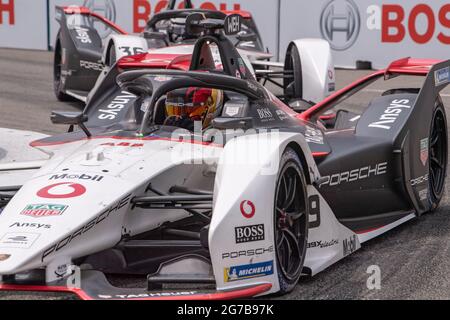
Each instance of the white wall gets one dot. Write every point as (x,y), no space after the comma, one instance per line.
(23,24)
(298,19)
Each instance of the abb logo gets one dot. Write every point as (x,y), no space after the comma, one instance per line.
(123,144)
(142,10)
(396,23)
(7,9)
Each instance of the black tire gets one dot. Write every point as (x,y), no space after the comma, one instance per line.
(437,156)
(291,214)
(293,83)
(57,69)
(112,56)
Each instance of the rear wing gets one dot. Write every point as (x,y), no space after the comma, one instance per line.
(410,66)
(76,12)
(437,79)
(405,66)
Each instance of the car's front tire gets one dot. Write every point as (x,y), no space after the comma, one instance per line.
(291,214)
(293,81)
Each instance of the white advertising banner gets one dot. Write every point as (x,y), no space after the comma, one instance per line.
(369,30)
(23,24)
(132,15)
(366,30)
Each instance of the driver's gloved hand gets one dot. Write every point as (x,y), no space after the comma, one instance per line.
(187,123)
(172,121)
(183,122)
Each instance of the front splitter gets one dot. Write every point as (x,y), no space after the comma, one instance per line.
(95,286)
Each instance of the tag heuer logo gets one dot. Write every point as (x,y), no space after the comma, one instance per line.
(43,210)
(4,257)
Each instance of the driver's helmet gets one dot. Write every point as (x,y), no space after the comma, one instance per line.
(193,104)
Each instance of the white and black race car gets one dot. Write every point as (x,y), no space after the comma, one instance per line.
(239,200)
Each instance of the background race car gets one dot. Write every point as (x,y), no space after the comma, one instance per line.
(83,58)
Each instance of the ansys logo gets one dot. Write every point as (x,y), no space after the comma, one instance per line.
(340,23)
(106,8)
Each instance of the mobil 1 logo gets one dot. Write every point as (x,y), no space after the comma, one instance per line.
(249,233)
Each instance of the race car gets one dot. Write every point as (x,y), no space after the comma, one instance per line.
(88,47)
(212,188)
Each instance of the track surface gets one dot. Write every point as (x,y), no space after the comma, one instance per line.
(414,259)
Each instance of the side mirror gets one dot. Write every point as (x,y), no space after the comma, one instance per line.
(70,118)
(232,123)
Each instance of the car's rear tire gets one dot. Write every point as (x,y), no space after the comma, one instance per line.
(437,156)
(57,72)
(291,214)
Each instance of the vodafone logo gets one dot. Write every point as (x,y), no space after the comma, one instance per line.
(330,74)
(248,209)
(64,190)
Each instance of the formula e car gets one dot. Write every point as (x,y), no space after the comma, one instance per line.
(88,47)
(235,201)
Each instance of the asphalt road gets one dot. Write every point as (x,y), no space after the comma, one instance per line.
(414,259)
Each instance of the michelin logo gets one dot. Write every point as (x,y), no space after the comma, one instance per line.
(442,76)
(248,271)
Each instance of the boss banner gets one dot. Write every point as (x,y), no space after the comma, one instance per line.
(368,30)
